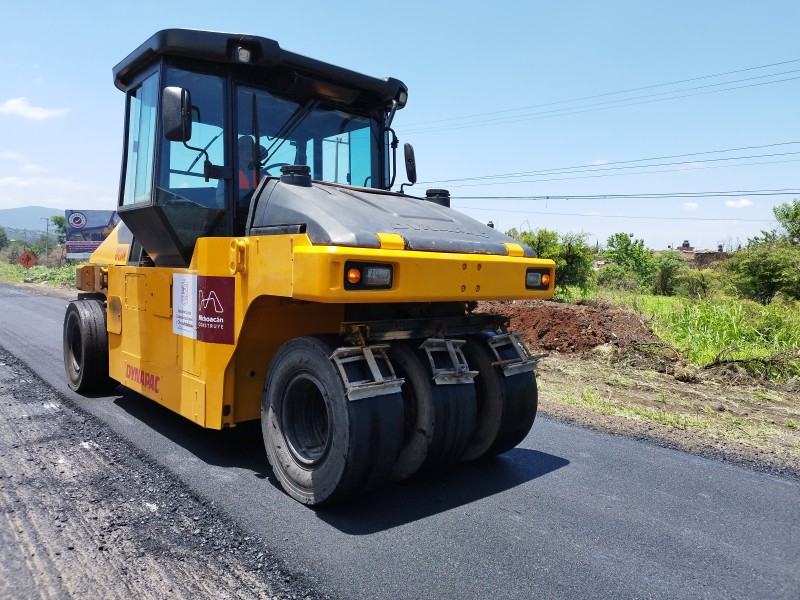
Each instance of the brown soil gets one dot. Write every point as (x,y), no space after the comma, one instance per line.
(570,328)
(608,371)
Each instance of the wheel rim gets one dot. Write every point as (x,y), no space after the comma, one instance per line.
(305,420)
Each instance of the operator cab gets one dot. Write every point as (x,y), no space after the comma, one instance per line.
(208,115)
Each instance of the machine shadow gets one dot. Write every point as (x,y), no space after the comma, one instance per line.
(240,447)
(389,506)
(396,504)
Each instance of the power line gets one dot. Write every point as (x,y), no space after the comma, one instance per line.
(557,110)
(560,214)
(725,194)
(684,170)
(543,115)
(607,164)
(637,89)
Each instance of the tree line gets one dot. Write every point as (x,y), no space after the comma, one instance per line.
(766,267)
(48,249)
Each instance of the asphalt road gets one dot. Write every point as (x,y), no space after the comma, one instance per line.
(570,513)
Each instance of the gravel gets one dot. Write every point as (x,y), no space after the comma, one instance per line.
(82,514)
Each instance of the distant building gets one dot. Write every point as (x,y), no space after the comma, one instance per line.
(701,258)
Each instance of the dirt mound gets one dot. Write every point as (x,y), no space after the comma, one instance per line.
(570,328)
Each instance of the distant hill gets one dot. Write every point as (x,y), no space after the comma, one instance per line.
(27,217)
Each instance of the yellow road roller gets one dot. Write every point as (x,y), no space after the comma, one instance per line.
(263,268)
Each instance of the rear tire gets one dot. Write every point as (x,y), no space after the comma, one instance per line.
(86,347)
(506,405)
(322,446)
(439,419)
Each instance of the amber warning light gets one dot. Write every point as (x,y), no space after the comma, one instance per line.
(537,279)
(367,276)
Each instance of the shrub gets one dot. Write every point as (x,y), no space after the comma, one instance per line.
(761,271)
(666,269)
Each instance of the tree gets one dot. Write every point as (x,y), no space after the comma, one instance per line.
(3,238)
(578,261)
(666,268)
(570,251)
(761,271)
(788,215)
(542,241)
(60,223)
(631,255)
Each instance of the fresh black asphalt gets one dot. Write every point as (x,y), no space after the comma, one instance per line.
(569,513)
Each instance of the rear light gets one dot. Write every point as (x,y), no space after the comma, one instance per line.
(378,276)
(367,276)
(537,279)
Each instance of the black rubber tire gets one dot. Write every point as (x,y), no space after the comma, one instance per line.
(323,447)
(439,419)
(506,405)
(86,347)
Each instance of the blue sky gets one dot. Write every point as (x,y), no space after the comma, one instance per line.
(492,91)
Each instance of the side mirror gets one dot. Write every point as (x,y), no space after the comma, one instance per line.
(411,164)
(176,114)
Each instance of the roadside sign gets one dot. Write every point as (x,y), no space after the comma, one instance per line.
(27,260)
(86,230)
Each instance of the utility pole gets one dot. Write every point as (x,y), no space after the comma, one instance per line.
(47,236)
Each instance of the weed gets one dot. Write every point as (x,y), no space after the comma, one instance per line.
(763,340)
(620,380)
(58,277)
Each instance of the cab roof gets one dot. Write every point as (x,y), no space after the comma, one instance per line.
(223,48)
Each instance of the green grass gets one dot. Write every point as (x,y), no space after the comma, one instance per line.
(756,432)
(57,277)
(764,340)
(591,398)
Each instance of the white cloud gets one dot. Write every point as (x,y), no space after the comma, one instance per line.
(690,206)
(45,183)
(31,168)
(740,203)
(600,162)
(9,155)
(21,107)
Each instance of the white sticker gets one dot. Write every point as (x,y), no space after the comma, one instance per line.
(184,305)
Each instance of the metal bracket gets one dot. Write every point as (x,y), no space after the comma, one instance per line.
(523,362)
(375,385)
(452,367)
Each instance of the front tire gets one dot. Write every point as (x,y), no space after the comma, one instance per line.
(86,347)
(322,446)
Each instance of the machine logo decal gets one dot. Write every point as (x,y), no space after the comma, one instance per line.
(204,308)
(143,378)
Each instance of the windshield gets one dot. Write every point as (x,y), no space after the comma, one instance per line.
(337,145)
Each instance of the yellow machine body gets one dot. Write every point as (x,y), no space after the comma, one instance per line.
(280,287)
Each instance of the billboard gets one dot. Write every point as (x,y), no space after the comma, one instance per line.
(86,230)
